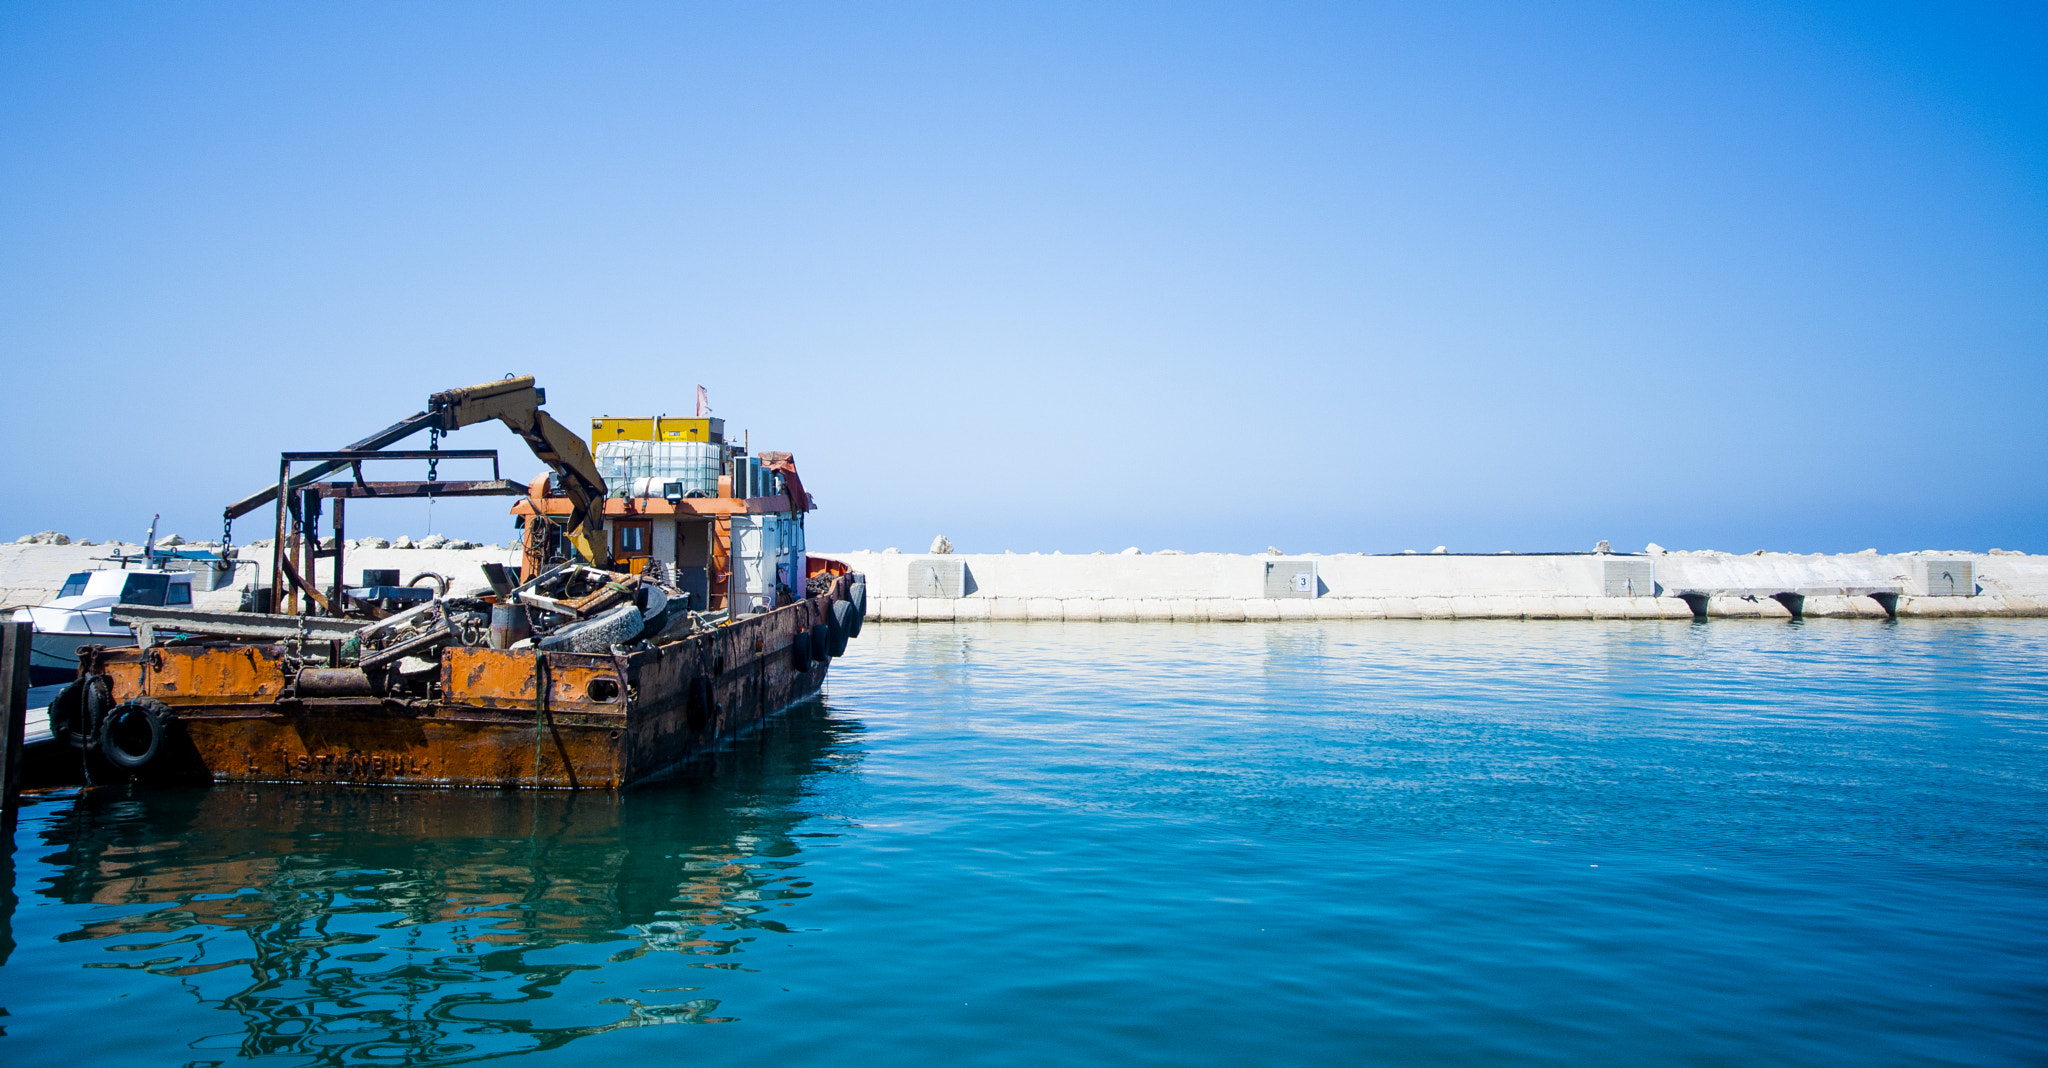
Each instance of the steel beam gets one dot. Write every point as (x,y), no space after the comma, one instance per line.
(398,431)
(499,488)
(234,624)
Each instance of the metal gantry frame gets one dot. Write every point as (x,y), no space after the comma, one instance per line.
(295,548)
(514,400)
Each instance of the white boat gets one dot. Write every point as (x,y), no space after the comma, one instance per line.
(81,615)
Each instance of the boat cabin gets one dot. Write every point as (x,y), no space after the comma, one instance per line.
(82,614)
(725,526)
(103,589)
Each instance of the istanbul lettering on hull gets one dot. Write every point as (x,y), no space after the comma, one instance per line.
(352,764)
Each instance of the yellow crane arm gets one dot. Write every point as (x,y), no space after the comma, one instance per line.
(516,403)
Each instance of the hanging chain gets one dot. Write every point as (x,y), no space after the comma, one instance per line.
(433,472)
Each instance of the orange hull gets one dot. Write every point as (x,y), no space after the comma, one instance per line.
(504,719)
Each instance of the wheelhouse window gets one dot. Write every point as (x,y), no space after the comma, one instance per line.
(74,584)
(629,539)
(146,589)
(178,593)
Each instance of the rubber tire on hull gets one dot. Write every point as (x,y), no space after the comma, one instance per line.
(68,719)
(800,650)
(117,734)
(841,617)
(821,641)
(857,595)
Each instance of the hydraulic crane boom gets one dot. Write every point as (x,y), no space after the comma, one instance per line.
(516,403)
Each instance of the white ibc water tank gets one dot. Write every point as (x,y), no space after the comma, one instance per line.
(630,468)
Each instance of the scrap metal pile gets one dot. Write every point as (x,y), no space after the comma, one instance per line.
(573,608)
(393,648)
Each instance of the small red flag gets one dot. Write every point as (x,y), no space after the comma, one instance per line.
(703,403)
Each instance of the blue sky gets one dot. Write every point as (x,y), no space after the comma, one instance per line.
(1345,277)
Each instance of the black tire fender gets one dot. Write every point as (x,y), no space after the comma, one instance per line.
(857,595)
(68,719)
(133,733)
(99,700)
(821,642)
(800,650)
(842,626)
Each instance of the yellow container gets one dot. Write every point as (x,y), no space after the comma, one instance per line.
(606,428)
(680,428)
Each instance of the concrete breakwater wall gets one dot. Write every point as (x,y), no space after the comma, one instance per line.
(1668,585)
(1220,587)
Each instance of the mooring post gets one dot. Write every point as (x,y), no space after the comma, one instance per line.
(15,641)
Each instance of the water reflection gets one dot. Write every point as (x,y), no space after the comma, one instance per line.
(413,926)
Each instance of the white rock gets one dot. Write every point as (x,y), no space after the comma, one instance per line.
(1169,552)
(432,541)
(1866,552)
(1603,547)
(1994,552)
(891,549)
(366,543)
(941,546)
(1408,552)
(1438,551)
(1132,551)
(1654,549)
(404,542)
(25,539)
(1271,551)
(459,543)
(327,542)
(1009,552)
(170,539)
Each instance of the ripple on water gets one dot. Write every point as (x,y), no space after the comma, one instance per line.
(1403,842)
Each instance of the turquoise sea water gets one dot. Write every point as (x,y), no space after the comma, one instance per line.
(1371,843)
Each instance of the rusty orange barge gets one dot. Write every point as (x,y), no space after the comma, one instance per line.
(651,619)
